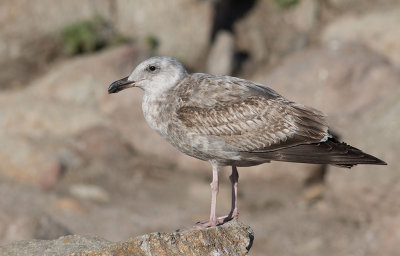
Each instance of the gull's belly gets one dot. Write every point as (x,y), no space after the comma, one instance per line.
(160,116)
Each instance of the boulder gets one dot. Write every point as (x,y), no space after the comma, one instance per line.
(15,227)
(56,108)
(220,59)
(268,33)
(232,238)
(340,81)
(180,29)
(30,29)
(368,29)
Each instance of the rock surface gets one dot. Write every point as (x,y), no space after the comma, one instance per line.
(18,226)
(368,29)
(44,143)
(32,40)
(220,59)
(190,23)
(258,31)
(232,238)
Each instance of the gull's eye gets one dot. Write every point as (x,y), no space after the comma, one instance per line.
(152,68)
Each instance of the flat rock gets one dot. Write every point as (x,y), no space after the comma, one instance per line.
(232,238)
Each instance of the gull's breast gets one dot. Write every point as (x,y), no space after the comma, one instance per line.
(160,114)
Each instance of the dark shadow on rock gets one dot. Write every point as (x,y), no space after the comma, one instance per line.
(227,12)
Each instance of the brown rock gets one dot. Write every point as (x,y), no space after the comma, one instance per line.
(70,205)
(185,34)
(18,226)
(375,130)
(232,238)
(221,56)
(267,33)
(368,30)
(340,81)
(56,107)
(29,30)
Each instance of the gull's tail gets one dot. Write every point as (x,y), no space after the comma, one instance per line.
(328,152)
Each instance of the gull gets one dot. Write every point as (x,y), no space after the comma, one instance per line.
(229,121)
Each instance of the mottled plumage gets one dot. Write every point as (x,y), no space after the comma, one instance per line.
(242,117)
(231,121)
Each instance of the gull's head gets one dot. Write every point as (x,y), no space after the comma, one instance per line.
(156,74)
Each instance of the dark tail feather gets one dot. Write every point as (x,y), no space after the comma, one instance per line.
(329,152)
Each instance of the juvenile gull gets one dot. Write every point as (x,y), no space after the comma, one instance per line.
(231,121)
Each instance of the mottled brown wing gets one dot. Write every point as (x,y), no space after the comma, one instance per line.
(256,123)
(209,91)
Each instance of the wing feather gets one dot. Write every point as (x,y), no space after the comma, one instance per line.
(256,123)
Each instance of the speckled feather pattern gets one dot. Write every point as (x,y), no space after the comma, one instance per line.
(232,121)
(250,120)
(222,116)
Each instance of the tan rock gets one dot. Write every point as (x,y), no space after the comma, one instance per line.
(232,238)
(29,29)
(377,30)
(15,227)
(340,81)
(221,56)
(181,28)
(38,123)
(268,33)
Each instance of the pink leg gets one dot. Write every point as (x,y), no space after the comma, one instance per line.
(214,192)
(234,178)
(213,221)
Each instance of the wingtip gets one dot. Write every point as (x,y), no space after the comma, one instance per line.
(380,162)
(376,160)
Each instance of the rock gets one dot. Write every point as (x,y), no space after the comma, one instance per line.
(30,39)
(104,143)
(146,21)
(48,141)
(340,81)
(70,205)
(375,130)
(232,238)
(68,245)
(89,192)
(14,227)
(267,33)
(33,160)
(221,57)
(367,29)
(305,15)
(84,80)
(360,6)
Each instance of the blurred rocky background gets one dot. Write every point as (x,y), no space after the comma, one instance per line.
(74,160)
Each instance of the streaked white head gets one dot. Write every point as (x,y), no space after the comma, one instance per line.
(154,75)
